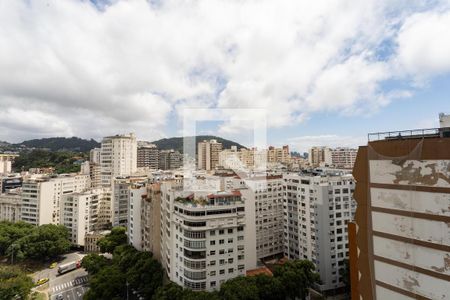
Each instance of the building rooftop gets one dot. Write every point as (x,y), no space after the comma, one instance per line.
(410,134)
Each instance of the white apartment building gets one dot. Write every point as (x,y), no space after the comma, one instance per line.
(206,238)
(136,193)
(41,196)
(316,212)
(343,158)
(122,190)
(10,205)
(267,192)
(95,155)
(319,156)
(118,157)
(208,154)
(85,212)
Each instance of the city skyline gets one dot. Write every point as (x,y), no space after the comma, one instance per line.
(92,69)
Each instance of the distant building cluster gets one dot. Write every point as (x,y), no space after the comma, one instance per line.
(249,206)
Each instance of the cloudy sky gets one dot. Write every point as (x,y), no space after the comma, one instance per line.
(325,72)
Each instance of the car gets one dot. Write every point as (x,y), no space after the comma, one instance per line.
(53,265)
(41,281)
(59,297)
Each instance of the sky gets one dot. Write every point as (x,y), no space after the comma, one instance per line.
(317,72)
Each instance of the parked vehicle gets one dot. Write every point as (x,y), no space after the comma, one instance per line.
(69,267)
(41,281)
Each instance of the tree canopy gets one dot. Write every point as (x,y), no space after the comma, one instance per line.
(20,240)
(14,283)
(62,161)
(117,237)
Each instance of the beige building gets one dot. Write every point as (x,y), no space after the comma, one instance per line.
(10,206)
(91,239)
(208,155)
(320,156)
(343,158)
(254,159)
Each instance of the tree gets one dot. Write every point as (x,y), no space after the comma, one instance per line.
(297,276)
(116,238)
(239,288)
(109,283)
(14,283)
(172,291)
(93,263)
(45,241)
(11,232)
(269,287)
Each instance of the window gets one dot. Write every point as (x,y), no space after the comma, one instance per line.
(230,240)
(241,267)
(240,238)
(213,283)
(230,271)
(212,263)
(212,243)
(212,232)
(221,242)
(221,231)
(230,230)
(212,273)
(222,272)
(222,261)
(230,260)
(212,252)
(240,257)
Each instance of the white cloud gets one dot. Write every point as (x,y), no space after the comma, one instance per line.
(131,65)
(424,44)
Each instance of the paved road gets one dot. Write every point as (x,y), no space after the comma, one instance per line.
(71,285)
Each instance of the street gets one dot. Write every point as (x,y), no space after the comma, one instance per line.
(71,285)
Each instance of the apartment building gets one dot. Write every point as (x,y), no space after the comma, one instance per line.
(208,154)
(320,157)
(137,192)
(95,173)
(124,191)
(147,156)
(118,157)
(343,158)
(267,193)
(41,196)
(10,206)
(170,160)
(254,159)
(206,238)
(85,212)
(278,155)
(95,155)
(151,220)
(9,182)
(6,160)
(400,241)
(316,212)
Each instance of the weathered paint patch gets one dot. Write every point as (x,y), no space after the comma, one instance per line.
(421,229)
(434,173)
(423,202)
(411,281)
(414,255)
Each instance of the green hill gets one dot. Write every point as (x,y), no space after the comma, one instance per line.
(176,143)
(61,143)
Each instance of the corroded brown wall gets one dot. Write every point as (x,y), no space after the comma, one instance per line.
(416,167)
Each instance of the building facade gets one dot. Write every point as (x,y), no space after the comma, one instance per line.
(319,156)
(6,161)
(41,196)
(208,154)
(118,157)
(343,158)
(400,241)
(151,220)
(147,156)
(317,211)
(206,239)
(10,206)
